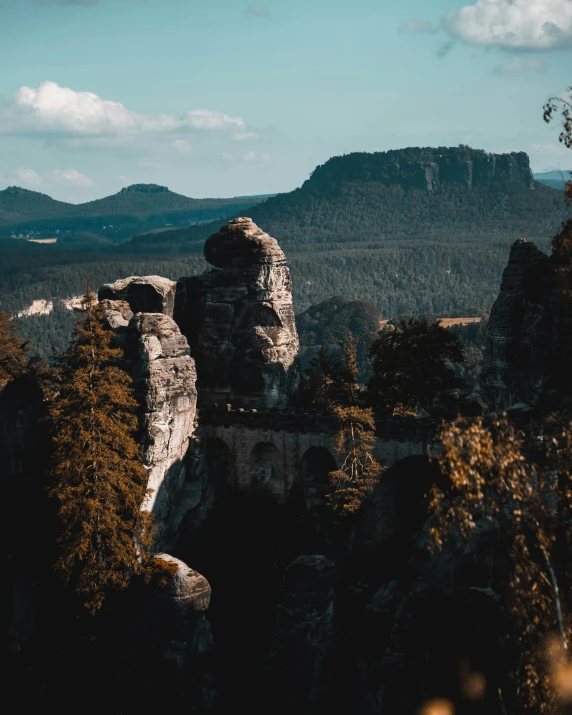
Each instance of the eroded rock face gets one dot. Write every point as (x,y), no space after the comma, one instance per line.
(239,319)
(164,379)
(144,294)
(158,359)
(528,351)
(169,644)
(428,169)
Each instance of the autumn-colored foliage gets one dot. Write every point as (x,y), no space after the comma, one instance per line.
(99,479)
(523,487)
(12,350)
(355,438)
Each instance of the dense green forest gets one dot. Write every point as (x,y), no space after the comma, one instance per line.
(362,227)
(411,277)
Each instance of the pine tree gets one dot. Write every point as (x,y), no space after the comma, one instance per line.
(412,365)
(12,350)
(98,476)
(318,382)
(355,437)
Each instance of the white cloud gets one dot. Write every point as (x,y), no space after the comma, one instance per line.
(248,136)
(207,119)
(60,111)
(72,177)
(520,64)
(513,24)
(258,10)
(251,157)
(28,177)
(417,26)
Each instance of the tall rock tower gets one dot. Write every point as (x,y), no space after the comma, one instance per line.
(239,320)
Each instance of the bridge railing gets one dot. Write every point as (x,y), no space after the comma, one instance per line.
(304,420)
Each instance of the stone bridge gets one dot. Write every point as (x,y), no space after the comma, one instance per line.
(281,450)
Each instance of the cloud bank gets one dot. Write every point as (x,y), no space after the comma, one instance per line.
(513,24)
(53,110)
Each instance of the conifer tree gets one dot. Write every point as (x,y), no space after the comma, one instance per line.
(317,384)
(412,365)
(355,438)
(98,476)
(12,350)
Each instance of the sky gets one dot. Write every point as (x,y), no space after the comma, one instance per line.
(217,98)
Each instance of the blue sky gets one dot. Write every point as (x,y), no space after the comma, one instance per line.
(223,97)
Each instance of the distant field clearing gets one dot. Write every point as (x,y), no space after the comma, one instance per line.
(445,322)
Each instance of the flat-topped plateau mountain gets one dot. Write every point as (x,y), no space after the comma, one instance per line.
(444,194)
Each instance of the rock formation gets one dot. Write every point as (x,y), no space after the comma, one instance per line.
(429,168)
(239,319)
(158,359)
(528,351)
(169,644)
(144,294)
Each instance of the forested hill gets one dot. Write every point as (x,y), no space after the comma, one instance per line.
(444,194)
(18,205)
(140,207)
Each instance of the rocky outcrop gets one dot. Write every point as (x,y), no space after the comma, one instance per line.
(239,319)
(164,379)
(303,641)
(530,326)
(428,168)
(169,645)
(158,359)
(144,294)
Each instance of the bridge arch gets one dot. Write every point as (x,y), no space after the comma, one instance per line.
(267,469)
(315,467)
(221,465)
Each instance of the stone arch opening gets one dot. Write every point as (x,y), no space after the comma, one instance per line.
(315,468)
(267,470)
(221,467)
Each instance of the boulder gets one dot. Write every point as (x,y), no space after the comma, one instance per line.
(239,320)
(169,649)
(144,294)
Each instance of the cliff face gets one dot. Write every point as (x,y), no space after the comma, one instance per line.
(164,376)
(529,344)
(428,168)
(239,319)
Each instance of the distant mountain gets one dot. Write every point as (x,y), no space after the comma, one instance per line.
(444,194)
(18,205)
(136,208)
(554,179)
